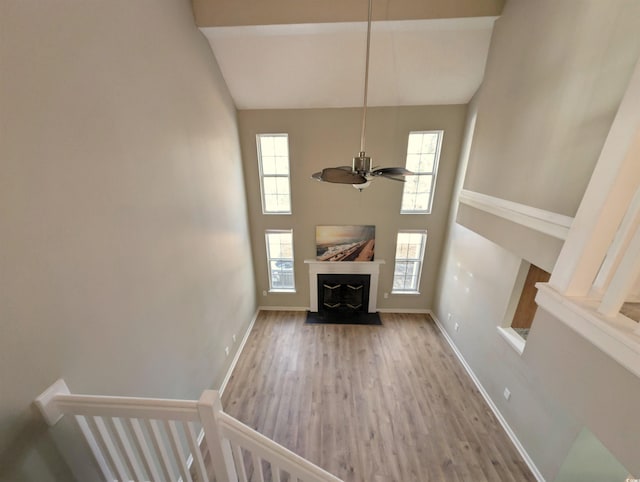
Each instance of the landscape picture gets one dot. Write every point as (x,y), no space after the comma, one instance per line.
(345,243)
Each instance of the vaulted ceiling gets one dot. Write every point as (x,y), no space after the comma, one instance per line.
(306,54)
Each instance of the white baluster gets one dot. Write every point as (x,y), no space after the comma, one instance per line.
(143,448)
(198,462)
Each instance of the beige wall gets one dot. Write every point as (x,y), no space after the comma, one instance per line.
(561,383)
(555,75)
(331,137)
(125,263)
(215,13)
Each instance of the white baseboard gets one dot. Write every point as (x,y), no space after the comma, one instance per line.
(510,433)
(283,308)
(380,310)
(418,311)
(236,357)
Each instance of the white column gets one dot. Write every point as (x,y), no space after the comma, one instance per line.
(609,193)
(623,280)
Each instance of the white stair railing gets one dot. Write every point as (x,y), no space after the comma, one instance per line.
(159,440)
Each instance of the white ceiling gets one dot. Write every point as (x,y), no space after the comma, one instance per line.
(413,62)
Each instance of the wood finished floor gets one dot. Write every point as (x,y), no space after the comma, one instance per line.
(370,403)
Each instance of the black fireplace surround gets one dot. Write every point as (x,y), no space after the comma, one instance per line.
(343,293)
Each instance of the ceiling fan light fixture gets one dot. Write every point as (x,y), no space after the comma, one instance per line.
(362,186)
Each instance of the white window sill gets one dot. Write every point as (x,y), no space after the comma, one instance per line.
(405,292)
(514,340)
(282,290)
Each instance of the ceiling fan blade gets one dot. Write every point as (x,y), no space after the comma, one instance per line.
(341,176)
(318,175)
(399,179)
(392,171)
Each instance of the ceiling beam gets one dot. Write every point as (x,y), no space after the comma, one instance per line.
(219,13)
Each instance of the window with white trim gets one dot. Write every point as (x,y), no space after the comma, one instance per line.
(280,259)
(273,161)
(423,152)
(410,246)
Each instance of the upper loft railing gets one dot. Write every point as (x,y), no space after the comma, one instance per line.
(598,269)
(158,440)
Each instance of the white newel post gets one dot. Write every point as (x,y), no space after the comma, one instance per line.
(316,267)
(52,413)
(220,449)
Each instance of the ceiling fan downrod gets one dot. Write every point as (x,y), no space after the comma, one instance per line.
(361,173)
(366,83)
(362,164)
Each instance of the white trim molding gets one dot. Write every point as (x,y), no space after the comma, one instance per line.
(616,336)
(514,340)
(417,311)
(494,408)
(547,222)
(236,357)
(282,308)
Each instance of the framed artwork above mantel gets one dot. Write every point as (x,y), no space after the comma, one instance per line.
(345,243)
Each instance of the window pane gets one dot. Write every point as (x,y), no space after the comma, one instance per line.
(426,162)
(282,203)
(430,142)
(280,259)
(282,166)
(270,185)
(422,160)
(281,146)
(268,165)
(273,156)
(408,263)
(267,146)
(413,162)
(417,192)
(401,250)
(409,202)
(280,245)
(271,203)
(276,194)
(282,185)
(424,183)
(414,145)
(405,277)
(281,274)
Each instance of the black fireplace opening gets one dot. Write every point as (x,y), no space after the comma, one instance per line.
(343,293)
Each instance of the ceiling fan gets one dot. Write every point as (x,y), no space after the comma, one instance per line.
(360,174)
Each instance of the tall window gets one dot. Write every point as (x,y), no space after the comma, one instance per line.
(280,259)
(423,152)
(410,247)
(273,159)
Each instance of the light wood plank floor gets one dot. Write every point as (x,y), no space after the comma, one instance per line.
(370,403)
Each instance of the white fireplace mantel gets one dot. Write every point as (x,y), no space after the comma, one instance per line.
(316,267)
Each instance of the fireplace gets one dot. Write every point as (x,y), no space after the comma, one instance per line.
(370,269)
(343,293)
